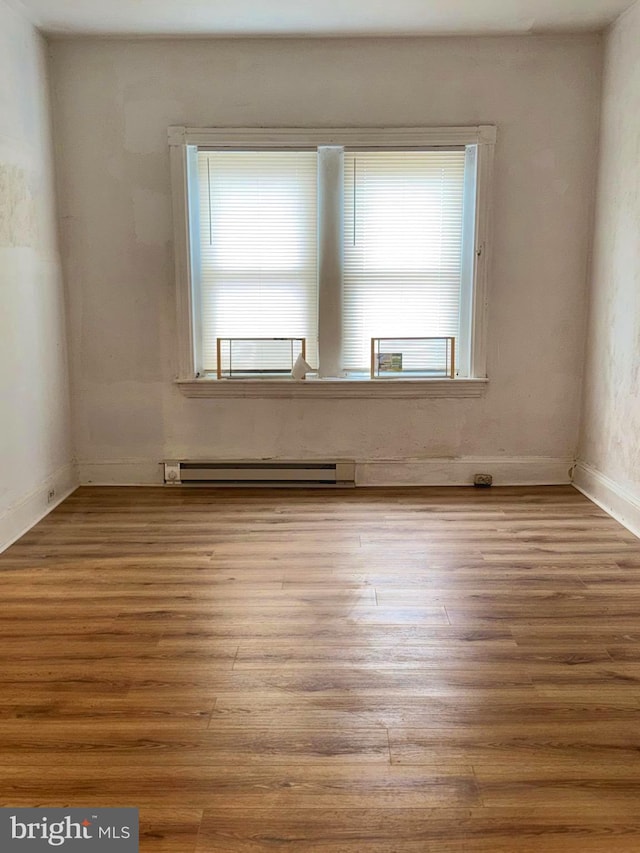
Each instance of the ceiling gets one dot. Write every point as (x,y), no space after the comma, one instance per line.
(319,18)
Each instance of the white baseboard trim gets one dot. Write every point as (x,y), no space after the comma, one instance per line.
(121,472)
(506,471)
(610,496)
(32,508)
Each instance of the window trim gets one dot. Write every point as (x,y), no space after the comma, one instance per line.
(333,388)
(184,141)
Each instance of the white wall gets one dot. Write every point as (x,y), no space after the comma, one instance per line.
(35,440)
(114,102)
(610,443)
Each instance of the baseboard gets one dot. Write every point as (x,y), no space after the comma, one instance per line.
(121,472)
(506,471)
(610,496)
(29,510)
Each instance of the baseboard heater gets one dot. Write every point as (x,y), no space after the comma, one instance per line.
(260,473)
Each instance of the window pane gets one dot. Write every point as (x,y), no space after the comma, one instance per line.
(257,247)
(403,247)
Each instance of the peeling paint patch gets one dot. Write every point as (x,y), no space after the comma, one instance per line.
(18,220)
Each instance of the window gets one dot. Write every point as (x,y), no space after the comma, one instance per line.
(403,214)
(336,236)
(257,242)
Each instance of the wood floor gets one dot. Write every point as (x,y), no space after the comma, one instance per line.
(364,671)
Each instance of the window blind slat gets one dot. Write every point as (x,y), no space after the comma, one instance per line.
(403,243)
(258,240)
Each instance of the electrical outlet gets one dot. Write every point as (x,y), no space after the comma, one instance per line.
(51,495)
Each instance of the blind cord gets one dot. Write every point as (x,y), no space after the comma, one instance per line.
(354,200)
(209,188)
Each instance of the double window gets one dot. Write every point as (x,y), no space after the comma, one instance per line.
(335,236)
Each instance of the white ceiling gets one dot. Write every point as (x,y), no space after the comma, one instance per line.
(319,18)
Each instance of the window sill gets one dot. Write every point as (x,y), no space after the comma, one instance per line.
(378,389)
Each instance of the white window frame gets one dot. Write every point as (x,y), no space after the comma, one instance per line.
(183,145)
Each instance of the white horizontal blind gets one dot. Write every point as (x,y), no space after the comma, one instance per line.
(403,247)
(258,235)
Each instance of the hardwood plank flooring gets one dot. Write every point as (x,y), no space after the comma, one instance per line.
(315,671)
